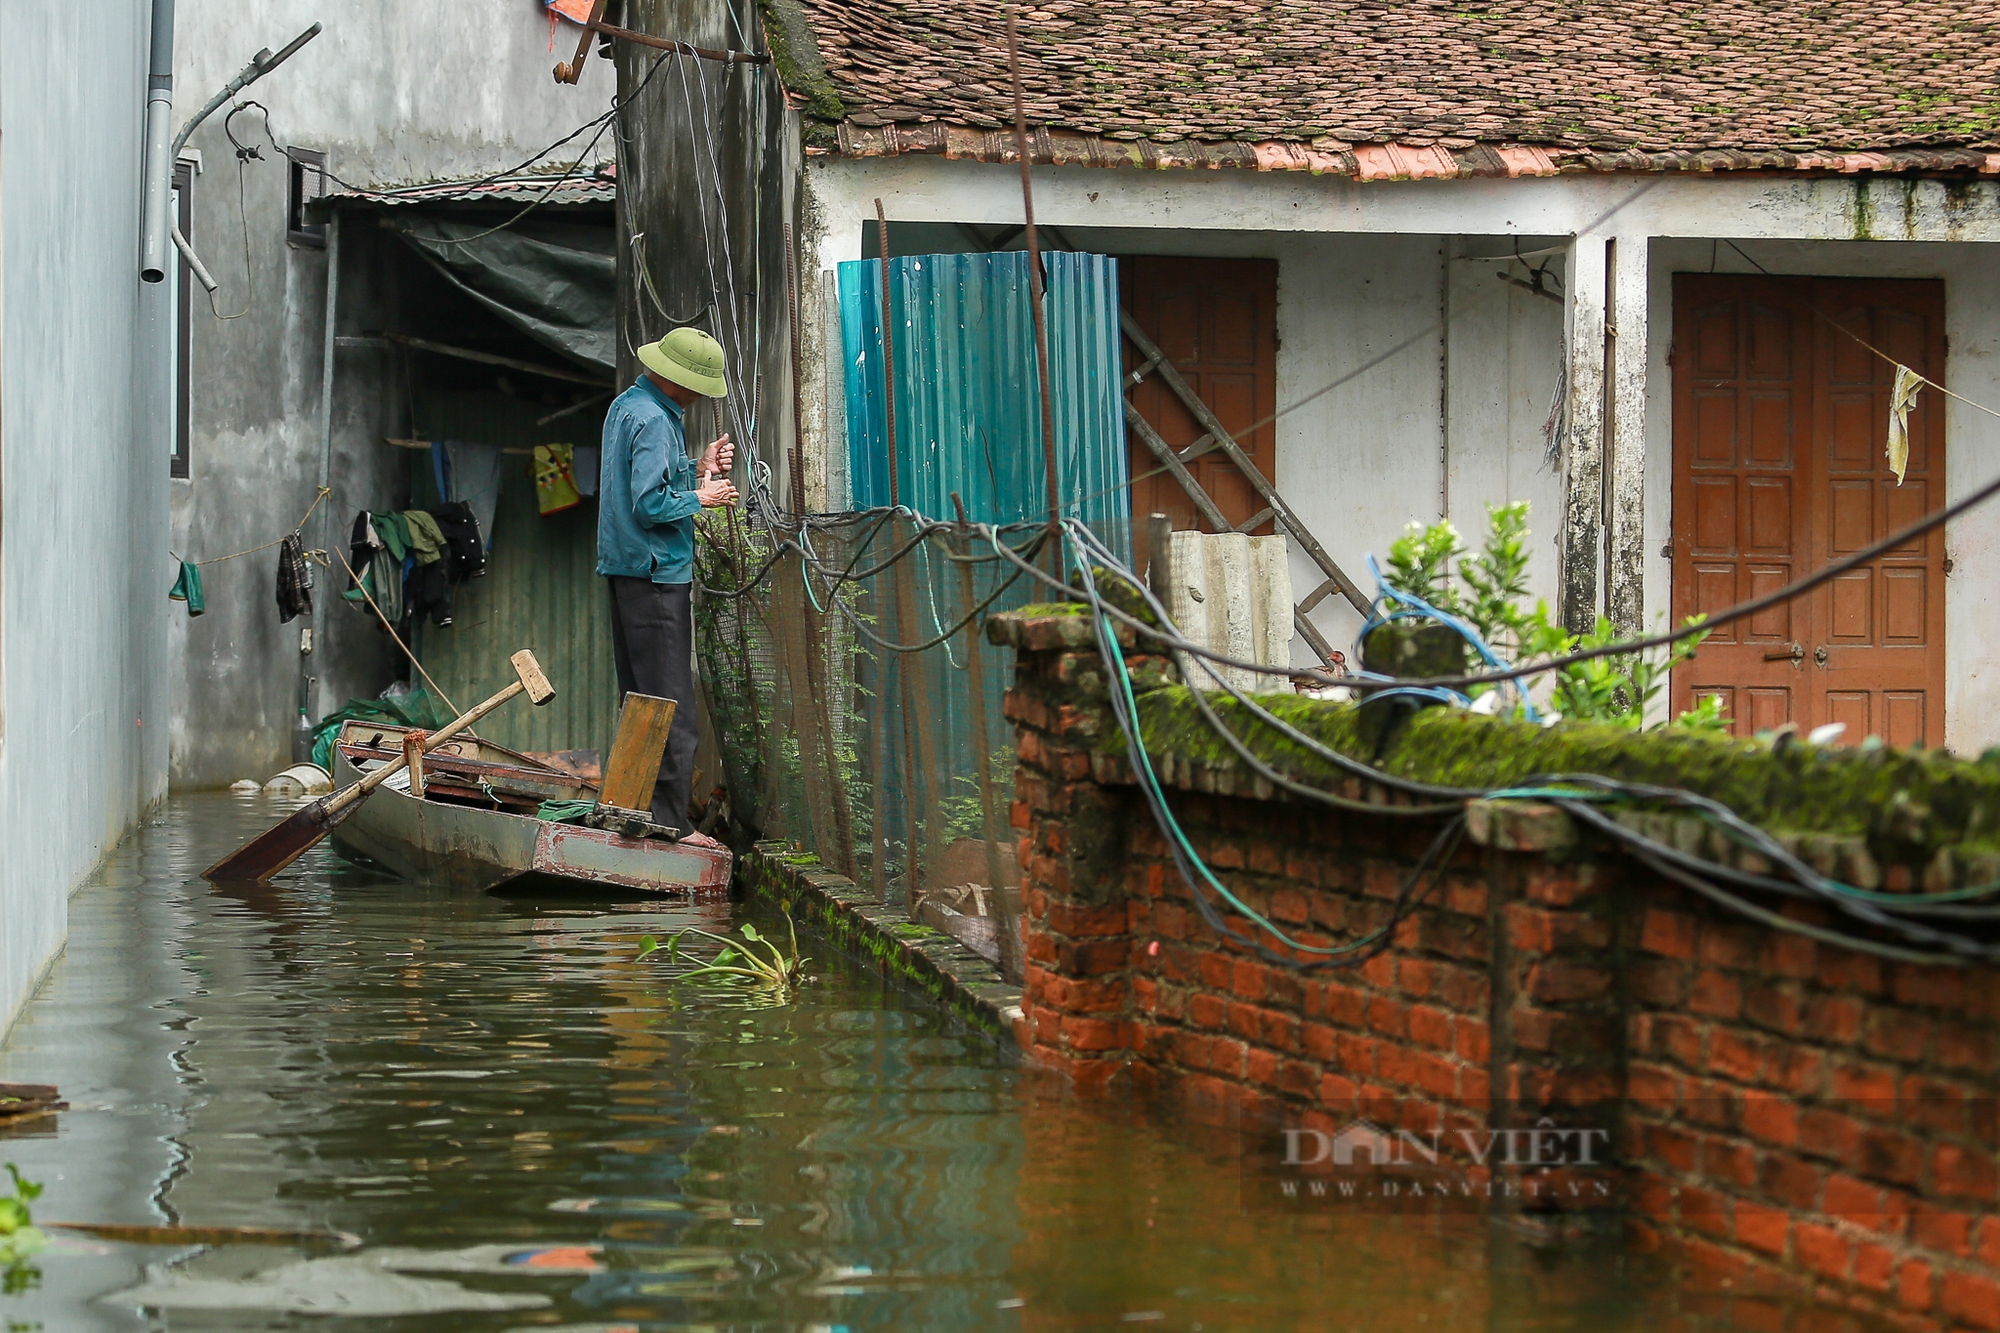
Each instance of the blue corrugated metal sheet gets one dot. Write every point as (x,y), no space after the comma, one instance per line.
(968,419)
(968,414)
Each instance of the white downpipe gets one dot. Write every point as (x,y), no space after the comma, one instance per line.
(159,166)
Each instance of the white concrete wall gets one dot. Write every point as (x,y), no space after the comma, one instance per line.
(1362,295)
(83,568)
(392,93)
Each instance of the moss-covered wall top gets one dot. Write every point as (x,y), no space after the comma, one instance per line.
(1917,800)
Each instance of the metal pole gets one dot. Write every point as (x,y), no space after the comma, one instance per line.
(888,354)
(798,459)
(906,616)
(1160,558)
(1035,290)
(326,528)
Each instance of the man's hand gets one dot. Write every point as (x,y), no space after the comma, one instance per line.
(719,457)
(715,492)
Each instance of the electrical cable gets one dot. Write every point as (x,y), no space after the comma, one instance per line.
(1869,908)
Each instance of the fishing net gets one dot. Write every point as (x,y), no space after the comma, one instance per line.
(857,705)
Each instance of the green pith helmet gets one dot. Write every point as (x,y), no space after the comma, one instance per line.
(688,357)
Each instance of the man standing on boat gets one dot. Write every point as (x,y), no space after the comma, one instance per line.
(649,491)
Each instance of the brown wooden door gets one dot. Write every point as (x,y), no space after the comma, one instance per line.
(1780,421)
(1216,320)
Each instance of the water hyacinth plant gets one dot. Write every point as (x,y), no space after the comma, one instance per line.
(753,958)
(20,1239)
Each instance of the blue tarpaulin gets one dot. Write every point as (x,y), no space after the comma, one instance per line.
(968,413)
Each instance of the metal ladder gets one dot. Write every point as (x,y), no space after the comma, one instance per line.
(1154,361)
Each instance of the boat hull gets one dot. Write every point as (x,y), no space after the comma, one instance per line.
(464,847)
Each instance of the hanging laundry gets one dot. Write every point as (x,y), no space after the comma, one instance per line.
(465,554)
(473,475)
(426,541)
(429,593)
(382,580)
(585,463)
(362,546)
(187,588)
(294,580)
(1902,397)
(555,479)
(393,532)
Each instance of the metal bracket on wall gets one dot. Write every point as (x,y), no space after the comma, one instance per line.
(569,71)
(1154,361)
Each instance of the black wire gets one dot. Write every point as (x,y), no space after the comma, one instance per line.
(1693,872)
(596,122)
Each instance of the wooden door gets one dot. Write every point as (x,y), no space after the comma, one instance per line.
(1216,321)
(1780,421)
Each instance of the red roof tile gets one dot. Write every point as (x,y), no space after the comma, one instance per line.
(1392,88)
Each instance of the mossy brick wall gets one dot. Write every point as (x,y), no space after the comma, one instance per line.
(1791,1114)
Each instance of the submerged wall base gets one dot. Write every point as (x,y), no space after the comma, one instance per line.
(918,957)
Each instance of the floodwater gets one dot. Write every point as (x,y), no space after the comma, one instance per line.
(526,1127)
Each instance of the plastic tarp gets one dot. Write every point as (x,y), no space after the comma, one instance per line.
(968,413)
(417,708)
(554,281)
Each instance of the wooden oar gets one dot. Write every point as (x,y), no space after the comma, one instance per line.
(271,851)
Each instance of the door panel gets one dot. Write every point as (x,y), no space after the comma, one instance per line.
(1746,374)
(1780,420)
(1216,320)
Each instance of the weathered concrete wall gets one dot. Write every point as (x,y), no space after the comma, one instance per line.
(83,444)
(392,94)
(1431,423)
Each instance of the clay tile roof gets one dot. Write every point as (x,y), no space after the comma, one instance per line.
(1435,88)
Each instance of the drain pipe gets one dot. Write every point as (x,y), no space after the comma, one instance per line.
(159,158)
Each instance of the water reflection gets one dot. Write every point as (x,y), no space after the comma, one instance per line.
(529,1128)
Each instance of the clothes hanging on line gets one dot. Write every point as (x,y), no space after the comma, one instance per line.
(472,476)
(555,480)
(426,540)
(428,593)
(465,554)
(585,463)
(393,532)
(294,580)
(187,588)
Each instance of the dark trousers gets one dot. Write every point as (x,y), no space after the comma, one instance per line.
(652,636)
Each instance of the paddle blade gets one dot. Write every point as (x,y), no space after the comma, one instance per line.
(274,849)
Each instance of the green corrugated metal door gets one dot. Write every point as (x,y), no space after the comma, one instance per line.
(540,591)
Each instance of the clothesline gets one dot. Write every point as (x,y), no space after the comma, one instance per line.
(296,529)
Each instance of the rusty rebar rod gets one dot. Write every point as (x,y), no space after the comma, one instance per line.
(571,71)
(906,615)
(1035,288)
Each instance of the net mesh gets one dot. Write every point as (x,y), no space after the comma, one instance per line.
(857,707)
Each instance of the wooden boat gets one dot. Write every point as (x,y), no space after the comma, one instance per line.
(476,826)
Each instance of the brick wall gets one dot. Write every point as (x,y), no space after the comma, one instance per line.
(1787,1113)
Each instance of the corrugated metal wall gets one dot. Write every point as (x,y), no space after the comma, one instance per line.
(968,416)
(968,420)
(540,592)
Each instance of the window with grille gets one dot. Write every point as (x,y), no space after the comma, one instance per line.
(308,182)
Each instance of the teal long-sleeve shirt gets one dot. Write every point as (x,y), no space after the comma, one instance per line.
(646,499)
